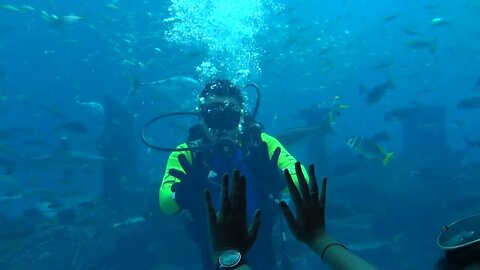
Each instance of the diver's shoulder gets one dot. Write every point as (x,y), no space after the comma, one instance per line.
(267,137)
(179,147)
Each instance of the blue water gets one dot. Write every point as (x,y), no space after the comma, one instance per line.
(308,52)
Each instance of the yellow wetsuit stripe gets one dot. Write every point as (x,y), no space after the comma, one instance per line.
(165,194)
(286,160)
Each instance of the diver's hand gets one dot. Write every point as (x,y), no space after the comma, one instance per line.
(189,191)
(309,225)
(265,168)
(228,229)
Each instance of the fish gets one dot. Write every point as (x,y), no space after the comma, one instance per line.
(371,243)
(46,210)
(63,158)
(19,9)
(72,126)
(390,17)
(65,181)
(11,196)
(293,136)
(131,220)
(323,120)
(11,8)
(400,113)
(71,41)
(55,20)
(409,31)
(458,124)
(368,148)
(4,29)
(13,233)
(377,92)
(55,205)
(382,136)
(345,167)
(431,45)
(27,8)
(94,107)
(87,205)
(35,143)
(3,97)
(470,103)
(134,89)
(430,7)
(344,162)
(7,165)
(439,22)
(66,217)
(471,143)
(32,214)
(24,131)
(317,115)
(52,111)
(7,151)
(177,92)
(382,65)
(6,134)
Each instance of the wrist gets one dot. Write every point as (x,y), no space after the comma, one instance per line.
(217,253)
(320,242)
(216,256)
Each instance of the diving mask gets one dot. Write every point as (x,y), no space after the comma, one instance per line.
(224,115)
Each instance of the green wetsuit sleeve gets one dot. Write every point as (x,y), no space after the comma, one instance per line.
(165,194)
(286,160)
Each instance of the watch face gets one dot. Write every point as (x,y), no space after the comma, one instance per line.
(230,258)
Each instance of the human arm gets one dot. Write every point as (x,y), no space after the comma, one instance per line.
(285,159)
(228,228)
(166,199)
(184,181)
(309,224)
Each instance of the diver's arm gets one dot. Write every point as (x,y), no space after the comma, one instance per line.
(286,160)
(167,202)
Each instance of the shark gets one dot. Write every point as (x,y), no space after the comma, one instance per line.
(177,91)
(64,158)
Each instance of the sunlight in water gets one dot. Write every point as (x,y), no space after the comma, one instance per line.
(226,29)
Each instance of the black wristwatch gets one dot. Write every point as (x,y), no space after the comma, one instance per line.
(230,259)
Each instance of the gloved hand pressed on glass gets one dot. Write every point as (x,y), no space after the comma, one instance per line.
(268,175)
(189,191)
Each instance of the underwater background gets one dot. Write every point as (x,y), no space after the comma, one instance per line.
(79,79)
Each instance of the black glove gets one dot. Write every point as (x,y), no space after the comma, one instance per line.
(268,176)
(188,192)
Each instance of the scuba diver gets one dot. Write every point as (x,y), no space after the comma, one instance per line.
(226,138)
(460,242)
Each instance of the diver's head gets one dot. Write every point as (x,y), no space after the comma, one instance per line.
(222,113)
(460,242)
(221,108)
